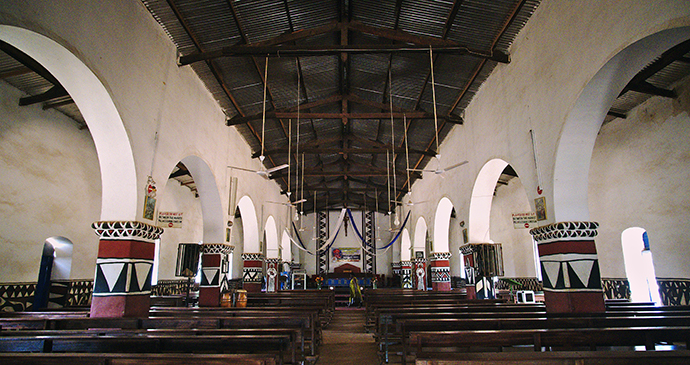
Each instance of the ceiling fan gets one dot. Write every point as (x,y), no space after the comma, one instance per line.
(263,172)
(441,170)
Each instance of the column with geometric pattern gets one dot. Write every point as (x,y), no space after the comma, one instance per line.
(322,263)
(252,273)
(122,285)
(570,267)
(369,235)
(273,266)
(440,271)
(406,274)
(214,263)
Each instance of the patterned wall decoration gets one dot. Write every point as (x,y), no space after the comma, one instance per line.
(171,287)
(674,291)
(17,297)
(369,228)
(615,288)
(527,283)
(322,262)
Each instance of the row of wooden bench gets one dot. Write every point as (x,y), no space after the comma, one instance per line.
(421,330)
(274,332)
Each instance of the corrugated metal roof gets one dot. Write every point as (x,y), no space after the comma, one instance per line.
(360,82)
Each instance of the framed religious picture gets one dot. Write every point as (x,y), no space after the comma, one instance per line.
(149,207)
(540,208)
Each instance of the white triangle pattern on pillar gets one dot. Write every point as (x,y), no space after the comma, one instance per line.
(111,272)
(583,269)
(210,275)
(142,269)
(551,269)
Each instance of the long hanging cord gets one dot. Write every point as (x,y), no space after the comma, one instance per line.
(263,118)
(288,156)
(301,205)
(390,96)
(407,156)
(388,179)
(433,94)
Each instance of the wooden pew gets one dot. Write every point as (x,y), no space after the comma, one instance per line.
(273,340)
(294,326)
(312,334)
(551,338)
(560,358)
(135,359)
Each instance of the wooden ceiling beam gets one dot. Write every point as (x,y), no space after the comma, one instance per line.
(346,150)
(308,50)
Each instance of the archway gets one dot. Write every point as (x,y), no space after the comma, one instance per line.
(118,174)
(442,225)
(252,256)
(406,260)
(420,253)
(480,203)
(574,150)
(211,207)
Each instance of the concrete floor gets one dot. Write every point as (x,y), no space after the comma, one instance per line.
(345,342)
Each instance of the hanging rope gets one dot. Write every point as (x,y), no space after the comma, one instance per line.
(407,155)
(433,94)
(263,118)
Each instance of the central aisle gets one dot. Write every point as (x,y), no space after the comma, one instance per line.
(345,342)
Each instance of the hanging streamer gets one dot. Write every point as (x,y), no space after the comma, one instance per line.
(298,245)
(330,241)
(391,242)
(303,248)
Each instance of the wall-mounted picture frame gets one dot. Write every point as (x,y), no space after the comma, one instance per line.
(540,208)
(149,207)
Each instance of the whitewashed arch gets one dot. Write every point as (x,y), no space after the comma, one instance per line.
(250,225)
(420,235)
(405,246)
(286,246)
(271,235)
(442,225)
(209,197)
(115,157)
(480,203)
(574,150)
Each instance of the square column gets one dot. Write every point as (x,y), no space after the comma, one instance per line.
(419,273)
(570,267)
(273,266)
(252,273)
(440,271)
(122,285)
(214,266)
(406,274)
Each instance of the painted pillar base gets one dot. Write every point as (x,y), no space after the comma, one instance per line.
(419,274)
(122,286)
(252,273)
(570,267)
(406,274)
(272,275)
(214,261)
(440,271)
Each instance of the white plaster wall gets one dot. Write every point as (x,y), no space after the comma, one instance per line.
(178,198)
(518,254)
(561,48)
(166,110)
(640,177)
(49,186)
